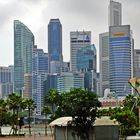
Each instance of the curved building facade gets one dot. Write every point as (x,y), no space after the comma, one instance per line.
(23,47)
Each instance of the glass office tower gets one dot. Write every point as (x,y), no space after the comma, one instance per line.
(86,63)
(54,41)
(120,59)
(23,46)
(78,39)
(39,74)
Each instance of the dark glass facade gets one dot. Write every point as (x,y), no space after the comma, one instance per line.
(54,41)
(86,62)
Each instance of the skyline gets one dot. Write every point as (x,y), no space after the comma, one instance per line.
(89,16)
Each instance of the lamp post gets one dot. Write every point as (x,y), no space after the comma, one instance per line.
(18,127)
(34,121)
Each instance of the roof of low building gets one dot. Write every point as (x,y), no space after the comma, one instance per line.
(63,121)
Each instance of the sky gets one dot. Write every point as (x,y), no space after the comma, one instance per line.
(88,15)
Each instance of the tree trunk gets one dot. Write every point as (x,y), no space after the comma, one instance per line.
(0,131)
(46,126)
(29,121)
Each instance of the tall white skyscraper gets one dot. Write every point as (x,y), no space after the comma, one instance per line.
(104,61)
(114,19)
(78,39)
(115,13)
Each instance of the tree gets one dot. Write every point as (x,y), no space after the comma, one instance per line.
(82,106)
(126,118)
(15,104)
(130,102)
(30,105)
(46,111)
(52,99)
(3,114)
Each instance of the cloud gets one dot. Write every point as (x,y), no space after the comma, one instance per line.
(9,11)
(74,15)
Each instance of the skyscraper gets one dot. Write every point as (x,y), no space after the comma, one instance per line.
(104,62)
(78,40)
(54,41)
(39,74)
(68,80)
(86,63)
(27,89)
(6,81)
(114,19)
(23,46)
(137,63)
(115,13)
(120,59)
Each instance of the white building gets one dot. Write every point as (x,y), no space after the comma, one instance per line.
(107,102)
(115,13)
(104,61)
(114,19)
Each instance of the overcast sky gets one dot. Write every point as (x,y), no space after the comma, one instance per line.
(91,15)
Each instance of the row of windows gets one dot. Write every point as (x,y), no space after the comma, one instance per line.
(79,41)
(119,39)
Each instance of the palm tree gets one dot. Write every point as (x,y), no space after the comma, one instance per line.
(30,105)
(52,98)
(15,104)
(46,110)
(3,113)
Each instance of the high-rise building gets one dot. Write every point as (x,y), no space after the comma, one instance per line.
(114,19)
(40,92)
(68,80)
(78,40)
(27,89)
(39,74)
(115,13)
(86,62)
(66,67)
(54,41)
(23,47)
(64,81)
(137,63)
(6,81)
(120,59)
(55,67)
(50,83)
(104,62)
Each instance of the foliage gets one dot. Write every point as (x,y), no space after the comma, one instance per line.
(52,99)
(10,109)
(126,115)
(30,106)
(81,105)
(46,111)
(4,115)
(15,105)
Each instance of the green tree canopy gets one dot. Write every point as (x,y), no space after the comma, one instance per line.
(81,105)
